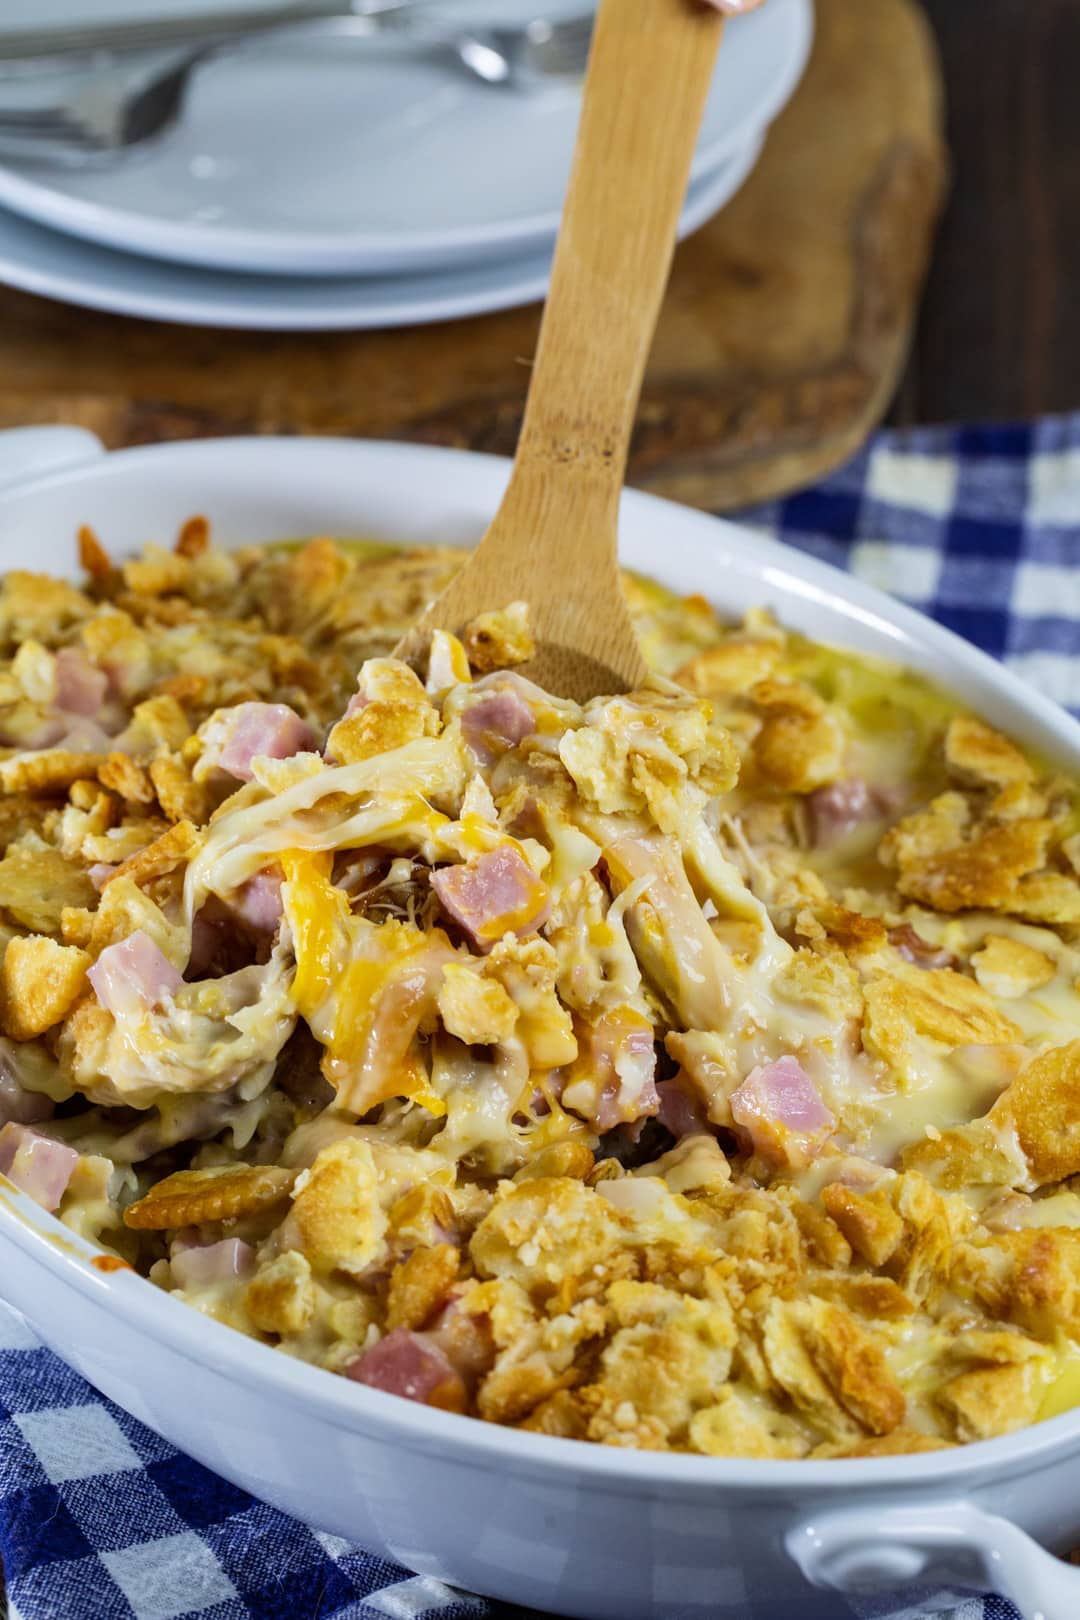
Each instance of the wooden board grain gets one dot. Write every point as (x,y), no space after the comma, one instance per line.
(784,330)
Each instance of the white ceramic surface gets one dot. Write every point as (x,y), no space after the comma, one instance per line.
(321,154)
(55,266)
(587,1531)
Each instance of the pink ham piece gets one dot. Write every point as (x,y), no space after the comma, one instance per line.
(200,1266)
(779,1108)
(497,894)
(836,810)
(38,1166)
(258,904)
(100,873)
(258,730)
(18,1104)
(412,1365)
(133,976)
(496,720)
(81,688)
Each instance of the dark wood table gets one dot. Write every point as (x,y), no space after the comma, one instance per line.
(999,334)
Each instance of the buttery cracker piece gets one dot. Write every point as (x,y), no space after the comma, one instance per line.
(873,1297)
(936,1002)
(475,1008)
(336,1219)
(1018,801)
(991,1401)
(1043,1107)
(222,1192)
(280,1298)
(825,981)
(47,770)
(984,871)
(985,1153)
(37,605)
(541,1232)
(93,557)
(798,749)
(125,776)
(732,1427)
(499,639)
(561,1415)
(161,722)
(731,668)
(853,1363)
(379,728)
(975,753)
(668,1358)
(868,1220)
(1007,967)
(194,537)
(37,883)
(179,795)
(1034,1280)
(420,1285)
(928,832)
(794,1370)
(76,925)
(40,981)
(156,572)
(1048,897)
(168,851)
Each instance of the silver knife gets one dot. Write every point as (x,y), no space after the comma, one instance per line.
(205,29)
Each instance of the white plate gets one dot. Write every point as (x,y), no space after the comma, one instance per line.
(42,261)
(315,155)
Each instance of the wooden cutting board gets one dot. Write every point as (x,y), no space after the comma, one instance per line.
(784,331)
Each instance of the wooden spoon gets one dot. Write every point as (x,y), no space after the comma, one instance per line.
(553,541)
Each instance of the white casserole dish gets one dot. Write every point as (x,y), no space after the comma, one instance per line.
(585,1531)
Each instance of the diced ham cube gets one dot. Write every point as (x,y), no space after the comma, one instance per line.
(836,810)
(257,730)
(133,976)
(202,1265)
(18,1104)
(100,873)
(412,1365)
(497,894)
(496,720)
(38,1166)
(779,1108)
(81,688)
(258,904)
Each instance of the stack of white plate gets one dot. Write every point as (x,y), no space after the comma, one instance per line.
(317,184)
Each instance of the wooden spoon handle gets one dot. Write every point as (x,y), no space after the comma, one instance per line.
(648,77)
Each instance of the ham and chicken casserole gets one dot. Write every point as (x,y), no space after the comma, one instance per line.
(696,1070)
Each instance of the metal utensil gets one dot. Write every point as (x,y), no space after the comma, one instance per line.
(124,101)
(208,28)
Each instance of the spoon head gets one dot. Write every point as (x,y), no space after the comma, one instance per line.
(586,644)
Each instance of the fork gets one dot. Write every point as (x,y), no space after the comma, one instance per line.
(122,104)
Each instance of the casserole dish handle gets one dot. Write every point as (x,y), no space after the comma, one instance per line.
(944,1543)
(31,452)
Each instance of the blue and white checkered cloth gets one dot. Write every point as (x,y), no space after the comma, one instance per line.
(100,1519)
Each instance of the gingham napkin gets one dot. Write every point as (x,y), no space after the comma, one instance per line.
(101,1520)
